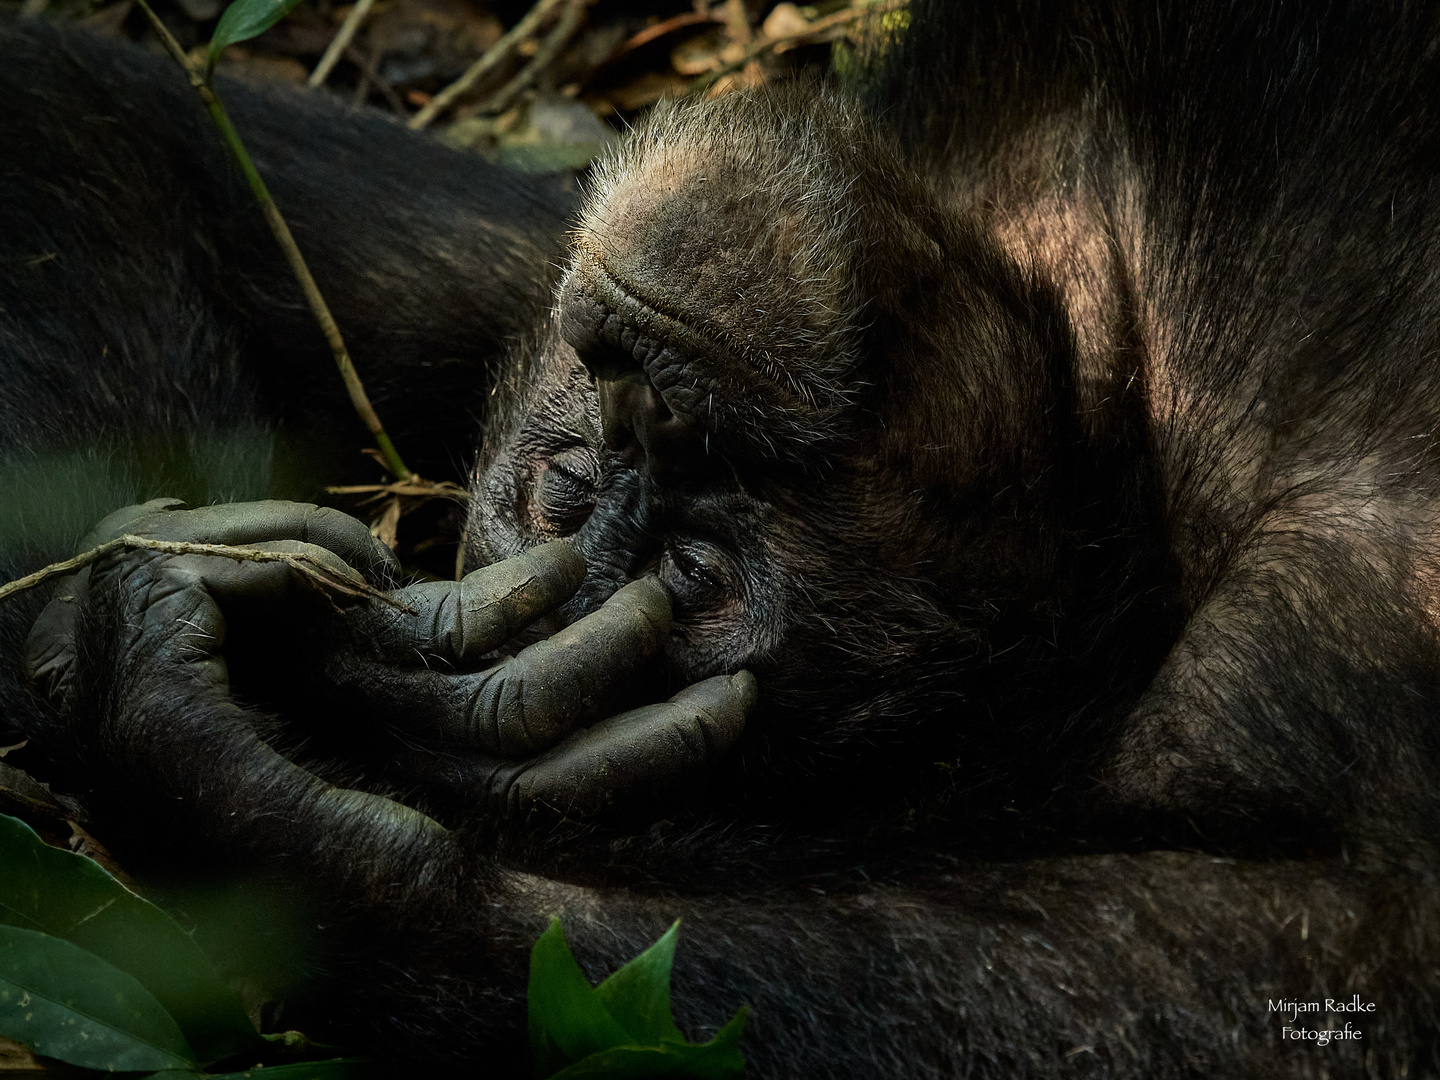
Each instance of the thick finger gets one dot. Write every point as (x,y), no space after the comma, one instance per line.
(174,613)
(527,702)
(236,580)
(118,523)
(523,705)
(259,522)
(637,751)
(458,622)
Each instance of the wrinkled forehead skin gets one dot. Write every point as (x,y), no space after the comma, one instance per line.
(751,267)
(721,240)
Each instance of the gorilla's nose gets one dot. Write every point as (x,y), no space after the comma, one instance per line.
(640,427)
(638,424)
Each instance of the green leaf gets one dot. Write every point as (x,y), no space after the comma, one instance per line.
(243,20)
(638,995)
(567,1019)
(66,1003)
(72,897)
(623,1028)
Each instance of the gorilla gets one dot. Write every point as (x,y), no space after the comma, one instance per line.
(1012,474)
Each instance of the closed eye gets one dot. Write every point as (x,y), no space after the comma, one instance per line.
(698,574)
(693,565)
(565,489)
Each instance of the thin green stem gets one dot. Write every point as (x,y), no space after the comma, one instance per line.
(353,386)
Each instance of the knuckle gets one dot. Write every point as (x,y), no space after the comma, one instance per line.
(481,715)
(322,523)
(692,734)
(509,790)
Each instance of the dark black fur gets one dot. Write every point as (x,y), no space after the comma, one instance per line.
(1129,526)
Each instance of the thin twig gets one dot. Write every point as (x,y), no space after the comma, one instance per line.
(819,26)
(660,29)
(496,55)
(570,20)
(436,489)
(363,85)
(327,577)
(340,42)
(368,65)
(359,400)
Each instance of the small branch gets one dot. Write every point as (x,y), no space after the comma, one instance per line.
(493,58)
(564,30)
(311,568)
(759,48)
(460,553)
(367,65)
(340,42)
(428,489)
(353,386)
(398,499)
(197,77)
(659,30)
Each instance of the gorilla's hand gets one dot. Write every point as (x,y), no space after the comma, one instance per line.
(189,588)
(511,727)
(152,627)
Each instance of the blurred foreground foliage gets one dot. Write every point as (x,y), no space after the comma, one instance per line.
(96,977)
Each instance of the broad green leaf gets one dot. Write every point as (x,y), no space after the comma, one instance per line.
(66,1003)
(720,1058)
(622,1028)
(243,20)
(567,1019)
(72,897)
(637,996)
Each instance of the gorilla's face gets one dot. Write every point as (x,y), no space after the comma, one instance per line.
(782,379)
(754,549)
(563,471)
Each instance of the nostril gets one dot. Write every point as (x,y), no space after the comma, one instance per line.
(622,400)
(606,361)
(641,428)
(638,424)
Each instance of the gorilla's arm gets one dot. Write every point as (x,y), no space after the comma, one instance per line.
(1145,966)
(132,251)
(1344,759)
(859,955)
(1155,965)
(152,341)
